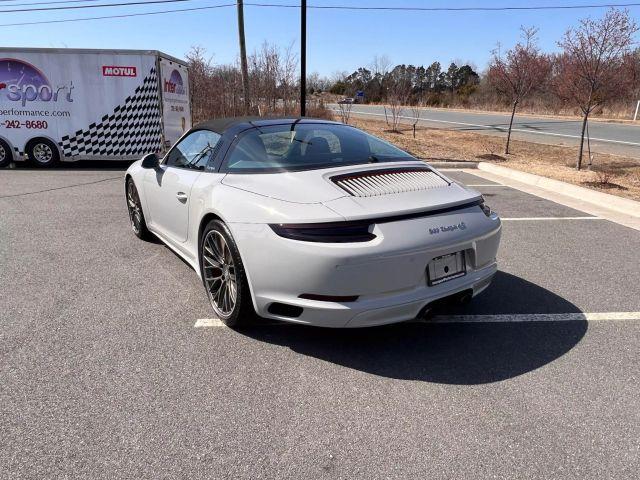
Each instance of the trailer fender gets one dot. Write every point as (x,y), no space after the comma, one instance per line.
(17,154)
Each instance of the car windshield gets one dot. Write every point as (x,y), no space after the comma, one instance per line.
(306,146)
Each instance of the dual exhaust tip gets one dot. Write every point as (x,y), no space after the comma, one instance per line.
(460,298)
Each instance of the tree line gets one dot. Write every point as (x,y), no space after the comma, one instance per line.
(595,66)
(422,84)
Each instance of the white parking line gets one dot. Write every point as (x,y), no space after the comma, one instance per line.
(208,322)
(503,318)
(535,219)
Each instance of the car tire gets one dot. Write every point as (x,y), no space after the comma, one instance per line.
(6,155)
(42,153)
(223,274)
(136,215)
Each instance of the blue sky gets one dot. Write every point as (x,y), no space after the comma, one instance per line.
(337,40)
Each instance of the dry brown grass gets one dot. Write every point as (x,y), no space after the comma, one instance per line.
(610,173)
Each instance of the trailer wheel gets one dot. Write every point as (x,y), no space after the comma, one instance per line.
(6,156)
(42,152)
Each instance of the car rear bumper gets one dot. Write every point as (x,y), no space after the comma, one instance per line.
(388,275)
(378,310)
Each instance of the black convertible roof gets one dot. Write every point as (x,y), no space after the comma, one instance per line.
(221,125)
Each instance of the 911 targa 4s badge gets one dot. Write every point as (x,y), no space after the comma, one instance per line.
(448,228)
(312,221)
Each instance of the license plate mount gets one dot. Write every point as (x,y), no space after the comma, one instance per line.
(446,267)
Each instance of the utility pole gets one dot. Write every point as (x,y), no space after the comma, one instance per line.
(243,58)
(303,58)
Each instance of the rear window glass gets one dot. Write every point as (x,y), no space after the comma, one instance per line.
(306,147)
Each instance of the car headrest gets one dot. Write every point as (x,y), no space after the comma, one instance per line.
(317,146)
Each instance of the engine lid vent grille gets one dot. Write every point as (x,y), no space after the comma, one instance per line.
(384,182)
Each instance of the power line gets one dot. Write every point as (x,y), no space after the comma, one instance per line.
(102,5)
(453,9)
(44,3)
(324,7)
(125,15)
(276,5)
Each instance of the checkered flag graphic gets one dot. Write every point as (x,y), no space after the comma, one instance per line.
(133,128)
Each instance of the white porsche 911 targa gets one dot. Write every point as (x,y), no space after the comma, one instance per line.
(313,221)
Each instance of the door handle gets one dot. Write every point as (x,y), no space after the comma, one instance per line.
(182,197)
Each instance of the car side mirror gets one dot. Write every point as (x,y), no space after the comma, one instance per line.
(150,161)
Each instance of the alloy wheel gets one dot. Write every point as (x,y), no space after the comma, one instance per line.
(219,273)
(133,205)
(42,153)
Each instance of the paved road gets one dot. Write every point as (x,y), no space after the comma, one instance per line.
(617,138)
(103,375)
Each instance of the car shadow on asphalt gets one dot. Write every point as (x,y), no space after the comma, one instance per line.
(460,354)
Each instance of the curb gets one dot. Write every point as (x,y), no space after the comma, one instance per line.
(606,200)
(450,164)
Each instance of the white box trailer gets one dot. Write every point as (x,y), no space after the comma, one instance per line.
(77,104)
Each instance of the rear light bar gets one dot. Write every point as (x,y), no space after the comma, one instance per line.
(486,209)
(354,231)
(334,232)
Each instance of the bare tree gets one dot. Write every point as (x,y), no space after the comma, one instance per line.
(274,80)
(396,101)
(344,109)
(217,89)
(263,67)
(416,109)
(632,70)
(288,80)
(214,88)
(338,76)
(589,70)
(380,65)
(200,73)
(398,86)
(316,83)
(522,70)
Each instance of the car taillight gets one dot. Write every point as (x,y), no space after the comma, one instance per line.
(334,232)
(487,210)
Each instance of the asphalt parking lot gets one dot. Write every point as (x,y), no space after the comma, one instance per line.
(103,373)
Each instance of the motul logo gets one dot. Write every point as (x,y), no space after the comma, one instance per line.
(169,86)
(119,71)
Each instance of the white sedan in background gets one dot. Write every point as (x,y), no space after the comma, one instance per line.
(314,222)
